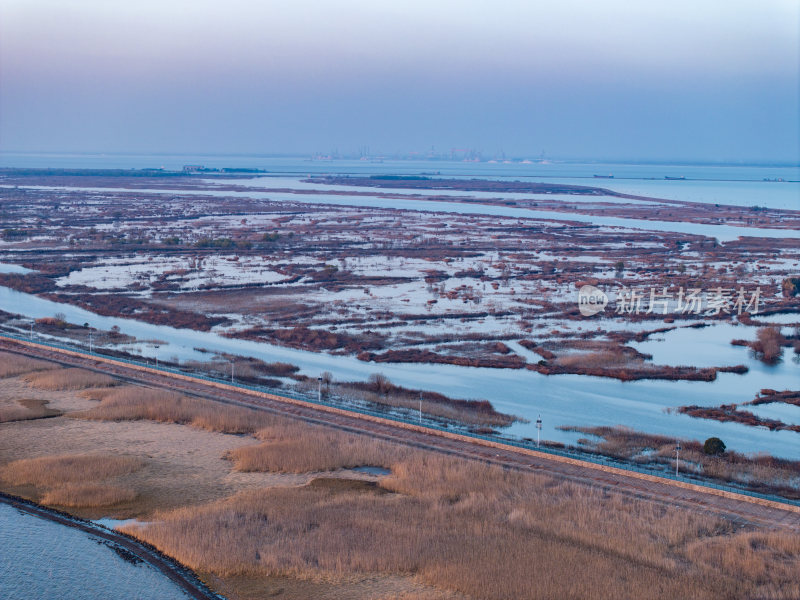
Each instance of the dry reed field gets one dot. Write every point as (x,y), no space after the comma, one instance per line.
(77,480)
(483,532)
(20,409)
(24,409)
(68,379)
(436,527)
(287,446)
(12,365)
(129,403)
(79,468)
(300,448)
(466,412)
(452,524)
(88,495)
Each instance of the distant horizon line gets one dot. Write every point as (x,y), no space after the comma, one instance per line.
(440,157)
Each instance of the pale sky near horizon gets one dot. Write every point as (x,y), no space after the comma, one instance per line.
(633,79)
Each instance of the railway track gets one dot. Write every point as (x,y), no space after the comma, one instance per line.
(735,507)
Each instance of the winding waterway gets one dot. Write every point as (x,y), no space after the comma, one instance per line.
(560,399)
(722,233)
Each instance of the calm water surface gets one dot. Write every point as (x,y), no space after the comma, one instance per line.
(43,560)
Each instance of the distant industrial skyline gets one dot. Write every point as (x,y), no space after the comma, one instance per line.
(712,81)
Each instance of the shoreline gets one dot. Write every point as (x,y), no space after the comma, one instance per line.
(181,575)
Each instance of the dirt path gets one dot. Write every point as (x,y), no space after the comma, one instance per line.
(732,506)
(184,578)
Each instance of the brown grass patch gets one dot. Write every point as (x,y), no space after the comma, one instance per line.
(68,379)
(97,393)
(288,446)
(441,521)
(88,495)
(12,365)
(771,560)
(768,344)
(26,409)
(416,355)
(56,470)
(593,360)
(247,369)
(300,448)
(474,529)
(131,403)
(183,465)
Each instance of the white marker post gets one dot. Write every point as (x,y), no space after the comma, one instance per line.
(538,430)
(319,389)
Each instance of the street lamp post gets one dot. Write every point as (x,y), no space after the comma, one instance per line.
(538,430)
(677,456)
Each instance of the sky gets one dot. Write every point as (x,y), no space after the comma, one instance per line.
(710,80)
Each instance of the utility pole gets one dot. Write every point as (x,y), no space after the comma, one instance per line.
(538,430)
(319,389)
(677,456)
